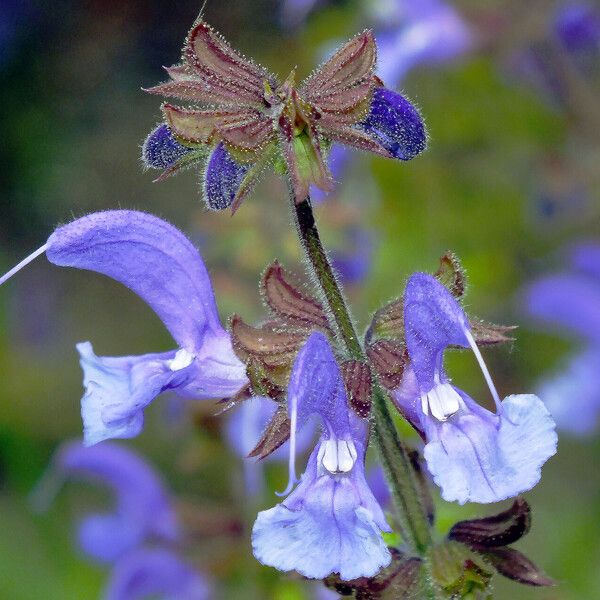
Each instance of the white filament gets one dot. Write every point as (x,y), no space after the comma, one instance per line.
(442,401)
(484,369)
(292,479)
(23,263)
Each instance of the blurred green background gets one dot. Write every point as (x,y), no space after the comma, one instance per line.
(508,179)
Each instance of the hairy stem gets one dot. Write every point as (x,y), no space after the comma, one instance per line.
(411,514)
(323,275)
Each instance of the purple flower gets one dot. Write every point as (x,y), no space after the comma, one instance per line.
(223,178)
(249,119)
(155,573)
(157,262)
(143,510)
(161,150)
(415,32)
(394,123)
(331,522)
(569,302)
(473,454)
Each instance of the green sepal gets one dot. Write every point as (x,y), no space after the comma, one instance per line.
(459,572)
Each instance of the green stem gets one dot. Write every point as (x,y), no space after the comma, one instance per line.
(325,278)
(412,517)
(412,514)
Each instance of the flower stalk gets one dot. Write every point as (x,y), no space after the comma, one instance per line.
(411,514)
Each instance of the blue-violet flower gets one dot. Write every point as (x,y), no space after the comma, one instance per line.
(157,262)
(331,522)
(570,302)
(473,454)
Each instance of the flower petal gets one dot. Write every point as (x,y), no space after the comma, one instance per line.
(106,538)
(156,573)
(223,178)
(316,387)
(479,457)
(395,124)
(143,508)
(150,257)
(327,525)
(118,389)
(161,150)
(433,320)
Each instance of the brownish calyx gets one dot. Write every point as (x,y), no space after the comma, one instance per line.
(401,580)
(276,433)
(357,380)
(388,321)
(389,360)
(269,346)
(287,302)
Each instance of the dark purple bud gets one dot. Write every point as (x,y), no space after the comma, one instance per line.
(161,150)
(395,124)
(516,566)
(498,530)
(223,178)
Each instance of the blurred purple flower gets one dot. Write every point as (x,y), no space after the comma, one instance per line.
(293,12)
(577,26)
(572,40)
(143,515)
(570,302)
(16,18)
(337,160)
(353,263)
(143,510)
(156,573)
(157,262)
(323,593)
(331,522)
(418,32)
(473,454)
(243,430)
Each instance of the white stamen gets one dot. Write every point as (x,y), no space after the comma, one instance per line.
(23,263)
(442,401)
(182,359)
(337,456)
(292,479)
(484,369)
